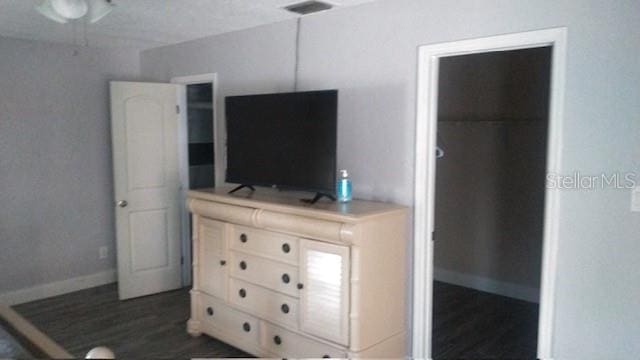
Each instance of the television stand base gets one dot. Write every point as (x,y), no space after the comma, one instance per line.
(318,197)
(242,187)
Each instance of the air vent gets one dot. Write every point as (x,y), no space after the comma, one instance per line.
(308,7)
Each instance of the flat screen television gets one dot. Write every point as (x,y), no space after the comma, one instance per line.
(285,140)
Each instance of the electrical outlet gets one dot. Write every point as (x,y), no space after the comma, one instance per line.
(103,252)
(635,199)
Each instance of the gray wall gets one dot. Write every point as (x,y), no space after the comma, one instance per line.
(490,185)
(369,53)
(55,160)
(256,61)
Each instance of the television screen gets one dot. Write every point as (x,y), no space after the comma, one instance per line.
(285,140)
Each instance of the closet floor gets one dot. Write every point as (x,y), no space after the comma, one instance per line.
(471,324)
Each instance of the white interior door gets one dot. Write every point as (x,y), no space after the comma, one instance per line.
(144,125)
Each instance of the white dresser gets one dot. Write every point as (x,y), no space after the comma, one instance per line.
(278,278)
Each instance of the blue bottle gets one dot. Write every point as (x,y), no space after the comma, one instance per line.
(343,187)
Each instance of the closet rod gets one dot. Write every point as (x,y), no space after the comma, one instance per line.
(491,121)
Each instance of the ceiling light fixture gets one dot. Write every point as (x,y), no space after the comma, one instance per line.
(70,9)
(64,10)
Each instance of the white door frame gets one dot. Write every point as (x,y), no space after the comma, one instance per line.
(425,177)
(183,158)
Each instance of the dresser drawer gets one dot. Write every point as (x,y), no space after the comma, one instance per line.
(291,345)
(229,321)
(268,244)
(271,274)
(264,303)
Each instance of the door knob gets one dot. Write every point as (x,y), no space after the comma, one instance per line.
(123,203)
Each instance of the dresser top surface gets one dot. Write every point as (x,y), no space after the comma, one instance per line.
(290,202)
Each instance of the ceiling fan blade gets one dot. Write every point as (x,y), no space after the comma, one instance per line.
(99,9)
(47,10)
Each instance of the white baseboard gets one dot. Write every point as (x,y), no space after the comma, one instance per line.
(485,284)
(57,288)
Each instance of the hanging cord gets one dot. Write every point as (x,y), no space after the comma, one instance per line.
(85,39)
(74,34)
(78,33)
(297,55)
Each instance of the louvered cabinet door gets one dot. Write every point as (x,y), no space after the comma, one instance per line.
(324,298)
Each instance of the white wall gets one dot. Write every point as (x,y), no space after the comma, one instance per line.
(55,164)
(369,53)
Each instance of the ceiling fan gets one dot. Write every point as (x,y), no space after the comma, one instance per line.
(64,10)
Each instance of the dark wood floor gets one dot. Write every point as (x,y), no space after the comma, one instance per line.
(467,324)
(148,327)
(471,324)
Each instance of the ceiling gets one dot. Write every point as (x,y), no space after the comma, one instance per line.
(148,23)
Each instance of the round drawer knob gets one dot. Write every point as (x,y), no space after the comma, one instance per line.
(285,308)
(243,265)
(285,278)
(277,340)
(246,327)
(243,238)
(286,248)
(242,293)
(223,263)
(210,311)
(300,286)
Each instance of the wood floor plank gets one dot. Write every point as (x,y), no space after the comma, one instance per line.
(471,324)
(148,327)
(467,324)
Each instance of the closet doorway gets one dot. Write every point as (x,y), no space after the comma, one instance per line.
(490,184)
(488,132)
(196,149)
